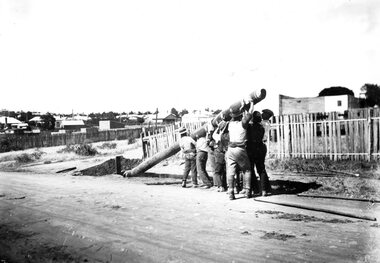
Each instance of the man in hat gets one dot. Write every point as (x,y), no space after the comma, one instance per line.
(187,145)
(219,141)
(266,115)
(257,150)
(236,155)
(201,161)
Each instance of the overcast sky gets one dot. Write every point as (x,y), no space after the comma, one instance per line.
(110,55)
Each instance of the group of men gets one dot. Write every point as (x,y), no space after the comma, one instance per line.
(238,144)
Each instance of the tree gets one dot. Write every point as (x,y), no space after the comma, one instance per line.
(174,111)
(372,94)
(48,122)
(183,112)
(337,90)
(25,116)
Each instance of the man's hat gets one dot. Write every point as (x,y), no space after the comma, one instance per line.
(182,130)
(267,114)
(256,116)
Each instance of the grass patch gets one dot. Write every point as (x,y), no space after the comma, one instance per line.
(83,149)
(318,165)
(29,157)
(108,145)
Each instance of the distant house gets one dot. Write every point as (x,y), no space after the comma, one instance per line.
(72,124)
(12,123)
(109,124)
(338,103)
(164,118)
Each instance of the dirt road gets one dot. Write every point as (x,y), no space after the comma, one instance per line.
(61,218)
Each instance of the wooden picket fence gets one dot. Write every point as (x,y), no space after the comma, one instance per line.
(307,136)
(354,136)
(154,142)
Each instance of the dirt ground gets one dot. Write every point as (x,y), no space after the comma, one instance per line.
(57,217)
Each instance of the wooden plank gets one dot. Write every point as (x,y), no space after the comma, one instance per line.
(352,138)
(376,135)
(315,136)
(295,136)
(324,137)
(286,136)
(292,133)
(339,142)
(346,135)
(278,138)
(282,136)
(303,136)
(356,139)
(368,135)
(330,136)
(306,128)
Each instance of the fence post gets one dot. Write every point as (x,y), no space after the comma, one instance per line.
(143,143)
(118,164)
(368,139)
(286,136)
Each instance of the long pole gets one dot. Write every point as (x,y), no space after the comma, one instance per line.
(255,97)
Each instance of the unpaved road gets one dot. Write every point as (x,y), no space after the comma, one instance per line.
(62,218)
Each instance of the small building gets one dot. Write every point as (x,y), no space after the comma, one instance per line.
(164,118)
(12,123)
(338,103)
(72,124)
(109,124)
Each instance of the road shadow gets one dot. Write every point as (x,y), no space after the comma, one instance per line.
(280,187)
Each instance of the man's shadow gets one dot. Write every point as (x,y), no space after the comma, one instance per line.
(280,187)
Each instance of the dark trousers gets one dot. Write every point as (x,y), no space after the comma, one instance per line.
(257,153)
(190,164)
(201,168)
(220,169)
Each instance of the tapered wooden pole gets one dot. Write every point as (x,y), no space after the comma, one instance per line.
(255,96)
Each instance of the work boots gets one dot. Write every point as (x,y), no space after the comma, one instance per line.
(247,184)
(183,183)
(230,189)
(265,184)
(231,194)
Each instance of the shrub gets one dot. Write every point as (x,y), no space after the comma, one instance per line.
(29,157)
(83,149)
(68,149)
(108,145)
(131,140)
(8,144)
(24,158)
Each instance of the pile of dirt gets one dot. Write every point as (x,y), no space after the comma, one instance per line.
(109,167)
(347,187)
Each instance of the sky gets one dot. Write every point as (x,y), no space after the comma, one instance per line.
(86,56)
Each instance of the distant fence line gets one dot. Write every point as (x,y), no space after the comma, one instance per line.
(314,135)
(48,139)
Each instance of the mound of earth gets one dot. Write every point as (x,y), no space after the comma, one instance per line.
(109,167)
